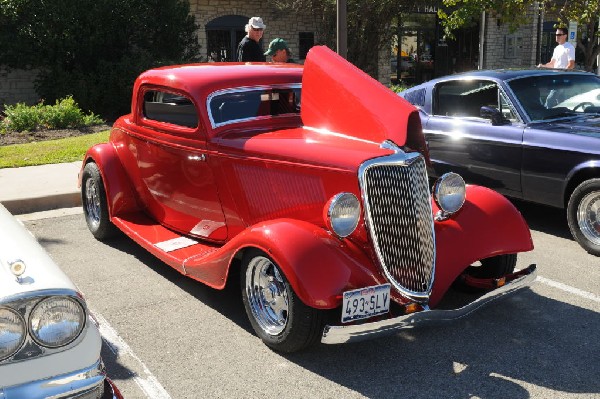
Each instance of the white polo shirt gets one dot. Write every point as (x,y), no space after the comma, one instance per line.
(563,53)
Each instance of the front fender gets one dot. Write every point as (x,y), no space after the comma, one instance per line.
(119,194)
(487,225)
(318,266)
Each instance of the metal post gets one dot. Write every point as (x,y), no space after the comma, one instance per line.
(342,29)
(481,41)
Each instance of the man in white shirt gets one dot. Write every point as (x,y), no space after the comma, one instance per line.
(564,54)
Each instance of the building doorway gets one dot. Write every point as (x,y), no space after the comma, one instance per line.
(223,34)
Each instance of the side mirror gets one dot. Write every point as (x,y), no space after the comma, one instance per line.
(492,114)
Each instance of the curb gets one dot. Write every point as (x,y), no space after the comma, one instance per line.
(45,203)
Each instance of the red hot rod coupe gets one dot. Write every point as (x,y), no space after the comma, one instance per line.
(310,184)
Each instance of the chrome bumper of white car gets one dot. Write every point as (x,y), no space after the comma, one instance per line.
(82,384)
(360,332)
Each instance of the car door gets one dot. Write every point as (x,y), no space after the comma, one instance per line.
(462,141)
(172,173)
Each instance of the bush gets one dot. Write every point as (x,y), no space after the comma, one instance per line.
(64,114)
(399,87)
(95,50)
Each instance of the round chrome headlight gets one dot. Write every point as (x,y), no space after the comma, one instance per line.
(12,332)
(449,193)
(342,214)
(56,321)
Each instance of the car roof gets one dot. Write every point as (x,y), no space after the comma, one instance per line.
(205,78)
(507,74)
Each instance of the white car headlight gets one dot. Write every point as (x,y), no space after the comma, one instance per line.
(449,193)
(56,321)
(342,214)
(12,332)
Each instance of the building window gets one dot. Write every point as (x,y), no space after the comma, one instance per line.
(512,46)
(306,40)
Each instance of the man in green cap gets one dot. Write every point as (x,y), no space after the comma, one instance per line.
(279,51)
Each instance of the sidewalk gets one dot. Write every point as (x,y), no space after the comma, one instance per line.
(40,188)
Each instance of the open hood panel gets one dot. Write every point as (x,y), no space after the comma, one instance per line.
(339,97)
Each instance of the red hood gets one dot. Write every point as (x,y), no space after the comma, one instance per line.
(339,97)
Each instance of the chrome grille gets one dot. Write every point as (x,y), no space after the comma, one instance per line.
(398,212)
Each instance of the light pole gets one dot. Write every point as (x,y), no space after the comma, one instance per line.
(342,29)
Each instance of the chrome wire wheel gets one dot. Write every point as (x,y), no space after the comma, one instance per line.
(267,294)
(92,203)
(588,217)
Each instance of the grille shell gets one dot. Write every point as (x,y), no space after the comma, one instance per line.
(398,214)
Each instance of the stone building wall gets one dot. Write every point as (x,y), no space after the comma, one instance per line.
(505,49)
(285,26)
(17,86)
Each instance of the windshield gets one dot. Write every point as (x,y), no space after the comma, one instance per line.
(555,96)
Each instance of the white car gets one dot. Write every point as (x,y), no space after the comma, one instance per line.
(49,343)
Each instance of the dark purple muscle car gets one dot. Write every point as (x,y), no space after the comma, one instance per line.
(529,134)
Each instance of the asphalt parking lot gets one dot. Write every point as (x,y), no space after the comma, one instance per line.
(167,336)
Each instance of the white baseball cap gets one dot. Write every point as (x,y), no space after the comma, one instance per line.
(256,23)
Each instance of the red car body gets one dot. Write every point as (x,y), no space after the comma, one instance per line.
(263,183)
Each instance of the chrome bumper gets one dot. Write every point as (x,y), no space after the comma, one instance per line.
(87,383)
(360,332)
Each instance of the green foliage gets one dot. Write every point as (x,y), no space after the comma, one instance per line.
(368,23)
(513,13)
(399,87)
(63,114)
(94,49)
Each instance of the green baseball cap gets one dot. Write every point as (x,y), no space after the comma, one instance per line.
(277,44)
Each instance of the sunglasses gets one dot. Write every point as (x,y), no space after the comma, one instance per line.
(560,34)
(258,29)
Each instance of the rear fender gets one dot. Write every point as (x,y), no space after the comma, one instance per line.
(487,225)
(119,194)
(318,266)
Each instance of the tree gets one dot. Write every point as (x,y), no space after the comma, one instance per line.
(94,49)
(513,14)
(369,25)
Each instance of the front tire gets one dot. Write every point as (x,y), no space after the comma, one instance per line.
(583,215)
(489,268)
(278,316)
(95,207)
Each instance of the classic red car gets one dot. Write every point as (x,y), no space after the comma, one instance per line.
(310,184)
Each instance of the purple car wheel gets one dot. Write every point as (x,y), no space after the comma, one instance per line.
(583,213)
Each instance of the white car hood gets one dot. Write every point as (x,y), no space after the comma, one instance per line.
(41,272)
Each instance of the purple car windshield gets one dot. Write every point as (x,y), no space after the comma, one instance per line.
(558,95)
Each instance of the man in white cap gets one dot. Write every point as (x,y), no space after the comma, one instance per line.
(249,50)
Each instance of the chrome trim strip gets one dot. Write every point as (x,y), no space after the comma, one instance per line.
(243,89)
(69,385)
(402,159)
(361,332)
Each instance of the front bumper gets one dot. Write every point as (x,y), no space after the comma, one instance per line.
(360,332)
(89,383)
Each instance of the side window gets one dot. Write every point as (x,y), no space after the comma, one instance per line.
(168,107)
(507,110)
(465,98)
(237,106)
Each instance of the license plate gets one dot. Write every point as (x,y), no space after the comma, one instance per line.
(365,302)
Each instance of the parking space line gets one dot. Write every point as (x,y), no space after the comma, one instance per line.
(148,382)
(569,289)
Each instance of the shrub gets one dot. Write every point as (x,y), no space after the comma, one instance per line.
(64,114)
(399,87)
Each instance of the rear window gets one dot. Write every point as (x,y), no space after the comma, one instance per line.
(237,105)
(171,108)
